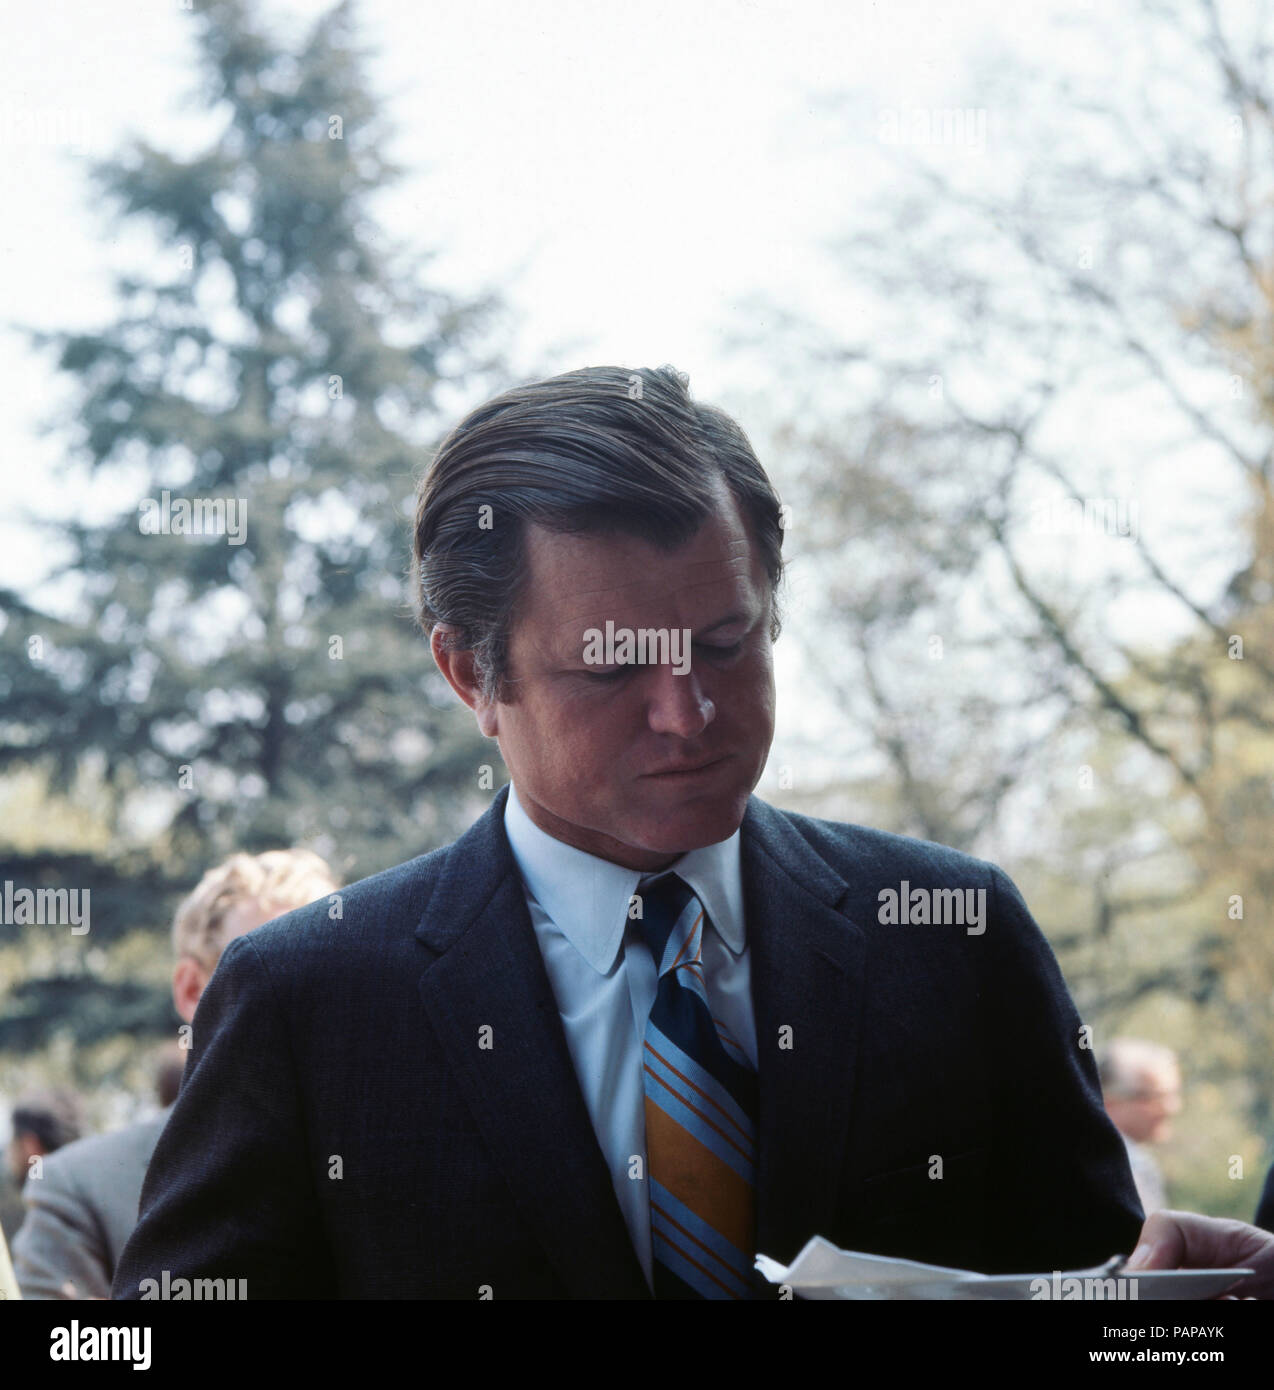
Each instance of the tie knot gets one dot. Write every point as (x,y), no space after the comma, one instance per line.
(670,916)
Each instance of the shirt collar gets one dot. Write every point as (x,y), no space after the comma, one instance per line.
(587,897)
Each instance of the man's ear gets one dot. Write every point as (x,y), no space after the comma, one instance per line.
(457,665)
(189,979)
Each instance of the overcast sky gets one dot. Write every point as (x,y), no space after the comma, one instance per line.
(625,175)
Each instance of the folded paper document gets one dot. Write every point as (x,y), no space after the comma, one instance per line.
(822,1270)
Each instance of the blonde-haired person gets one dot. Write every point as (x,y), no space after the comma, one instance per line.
(83,1209)
(243,893)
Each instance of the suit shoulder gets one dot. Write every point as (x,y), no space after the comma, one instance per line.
(871,863)
(858,851)
(97,1156)
(383,903)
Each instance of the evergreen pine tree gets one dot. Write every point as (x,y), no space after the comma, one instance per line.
(282,370)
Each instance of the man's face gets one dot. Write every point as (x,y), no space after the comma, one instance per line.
(591,748)
(1146,1115)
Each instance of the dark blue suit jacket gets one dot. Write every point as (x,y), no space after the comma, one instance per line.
(342,1131)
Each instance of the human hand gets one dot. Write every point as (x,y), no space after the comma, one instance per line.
(1187,1240)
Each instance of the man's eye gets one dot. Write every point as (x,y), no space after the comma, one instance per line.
(617,673)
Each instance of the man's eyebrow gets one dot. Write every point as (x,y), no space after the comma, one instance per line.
(724,622)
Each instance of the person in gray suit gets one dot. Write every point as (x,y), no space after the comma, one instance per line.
(83,1208)
(41,1123)
(81,1213)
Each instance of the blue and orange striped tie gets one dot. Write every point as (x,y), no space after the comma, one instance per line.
(701,1105)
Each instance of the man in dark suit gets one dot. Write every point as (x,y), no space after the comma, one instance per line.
(636,1025)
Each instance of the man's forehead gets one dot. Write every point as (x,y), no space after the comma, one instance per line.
(1154,1074)
(602,591)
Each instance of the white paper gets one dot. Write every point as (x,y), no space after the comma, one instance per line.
(823,1271)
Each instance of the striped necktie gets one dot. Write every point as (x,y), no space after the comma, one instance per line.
(701,1105)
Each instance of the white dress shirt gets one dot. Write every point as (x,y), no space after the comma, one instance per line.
(1147,1176)
(604,981)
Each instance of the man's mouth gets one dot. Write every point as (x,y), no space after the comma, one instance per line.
(686,769)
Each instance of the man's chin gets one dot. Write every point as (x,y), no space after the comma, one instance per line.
(677,830)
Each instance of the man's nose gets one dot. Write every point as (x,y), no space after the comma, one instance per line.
(677,704)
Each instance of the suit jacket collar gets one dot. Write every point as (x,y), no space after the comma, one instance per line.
(807,963)
(492,1007)
(587,897)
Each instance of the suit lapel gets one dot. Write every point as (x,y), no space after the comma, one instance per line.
(807,962)
(522,1090)
(807,977)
